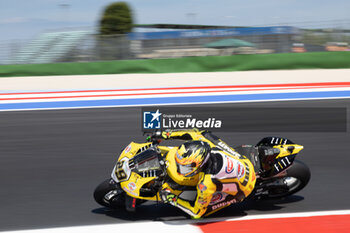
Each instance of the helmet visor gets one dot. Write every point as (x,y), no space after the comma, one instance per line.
(185,169)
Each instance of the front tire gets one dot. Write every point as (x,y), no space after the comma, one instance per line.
(109,194)
(297,177)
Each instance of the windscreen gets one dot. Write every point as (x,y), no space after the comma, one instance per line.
(147,160)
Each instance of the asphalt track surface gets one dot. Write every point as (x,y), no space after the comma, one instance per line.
(52,160)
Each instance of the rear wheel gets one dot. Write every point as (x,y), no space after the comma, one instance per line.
(297,177)
(109,194)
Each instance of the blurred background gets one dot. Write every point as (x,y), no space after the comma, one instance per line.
(52,31)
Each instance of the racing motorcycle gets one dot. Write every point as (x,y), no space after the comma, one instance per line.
(142,171)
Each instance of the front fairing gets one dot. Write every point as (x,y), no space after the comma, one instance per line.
(138,170)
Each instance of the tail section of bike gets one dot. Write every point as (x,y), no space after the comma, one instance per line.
(280,175)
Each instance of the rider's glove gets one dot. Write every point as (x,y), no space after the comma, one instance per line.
(161,135)
(156,137)
(168,197)
(166,134)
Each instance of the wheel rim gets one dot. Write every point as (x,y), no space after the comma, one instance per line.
(292,183)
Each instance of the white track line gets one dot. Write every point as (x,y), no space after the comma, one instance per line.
(173,226)
(174,104)
(144,227)
(55,98)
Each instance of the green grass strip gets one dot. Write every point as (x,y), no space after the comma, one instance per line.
(316,60)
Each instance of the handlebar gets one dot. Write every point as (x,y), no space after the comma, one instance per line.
(154,137)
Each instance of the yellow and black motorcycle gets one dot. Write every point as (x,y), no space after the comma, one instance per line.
(143,169)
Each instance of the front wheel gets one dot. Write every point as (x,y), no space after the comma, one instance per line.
(297,177)
(109,194)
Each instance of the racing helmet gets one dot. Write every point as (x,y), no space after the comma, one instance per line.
(191,157)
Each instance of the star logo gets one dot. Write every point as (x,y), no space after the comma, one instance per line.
(151,120)
(156,115)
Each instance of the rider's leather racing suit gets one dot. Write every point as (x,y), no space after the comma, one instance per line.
(227,178)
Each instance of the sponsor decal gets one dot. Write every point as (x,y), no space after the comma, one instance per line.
(226,148)
(241,171)
(126,189)
(230,166)
(127,149)
(217,197)
(151,120)
(202,187)
(202,201)
(132,186)
(133,202)
(222,204)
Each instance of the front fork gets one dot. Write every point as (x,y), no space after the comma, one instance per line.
(118,197)
(114,197)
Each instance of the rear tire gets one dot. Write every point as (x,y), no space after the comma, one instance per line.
(104,188)
(298,176)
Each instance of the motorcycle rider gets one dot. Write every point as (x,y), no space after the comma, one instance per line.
(220,175)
